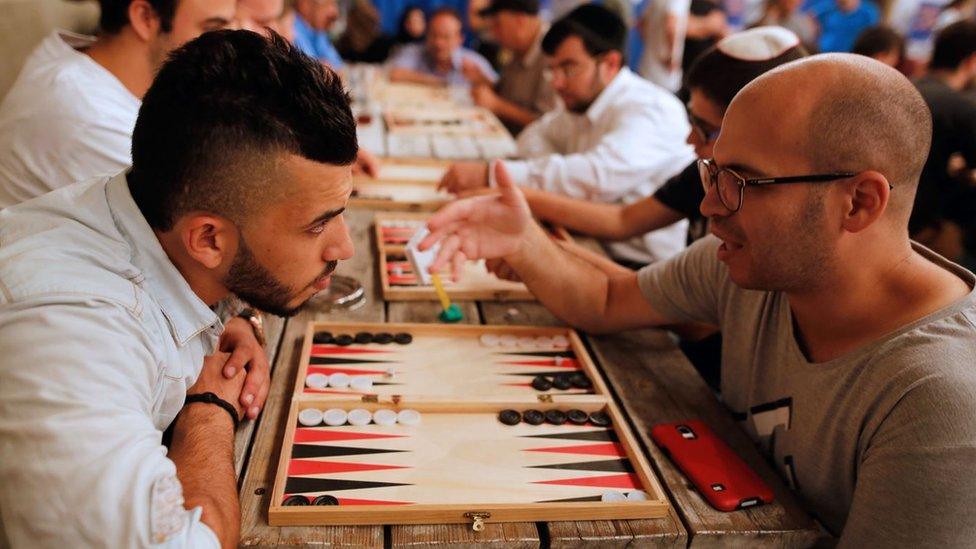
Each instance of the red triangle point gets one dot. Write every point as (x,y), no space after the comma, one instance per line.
(625,480)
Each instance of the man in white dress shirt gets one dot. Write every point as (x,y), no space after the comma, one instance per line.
(617,137)
(242,157)
(69,115)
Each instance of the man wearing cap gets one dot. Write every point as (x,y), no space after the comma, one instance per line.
(616,139)
(522,93)
(847,349)
(441,60)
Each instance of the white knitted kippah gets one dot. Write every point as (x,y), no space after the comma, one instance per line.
(758,44)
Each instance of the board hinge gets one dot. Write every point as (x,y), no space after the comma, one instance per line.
(545,398)
(371,398)
(478,519)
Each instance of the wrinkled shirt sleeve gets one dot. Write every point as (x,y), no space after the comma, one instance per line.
(81,460)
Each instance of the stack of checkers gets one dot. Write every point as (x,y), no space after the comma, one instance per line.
(326,499)
(337,417)
(558,342)
(555,417)
(342,380)
(562,382)
(361,338)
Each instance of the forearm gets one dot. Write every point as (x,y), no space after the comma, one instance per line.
(514,114)
(605,221)
(399,74)
(203,451)
(602,262)
(569,287)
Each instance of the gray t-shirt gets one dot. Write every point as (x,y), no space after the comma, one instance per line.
(880,443)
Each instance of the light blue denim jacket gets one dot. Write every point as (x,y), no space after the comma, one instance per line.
(100,337)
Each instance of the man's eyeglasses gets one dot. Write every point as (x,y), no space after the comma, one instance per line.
(701,127)
(569,69)
(731,185)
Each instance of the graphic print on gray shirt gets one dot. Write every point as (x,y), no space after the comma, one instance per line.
(880,444)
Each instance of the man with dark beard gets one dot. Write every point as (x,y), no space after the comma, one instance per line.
(616,139)
(242,156)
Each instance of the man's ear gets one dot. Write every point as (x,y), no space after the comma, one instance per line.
(208,239)
(144,20)
(865,200)
(613,60)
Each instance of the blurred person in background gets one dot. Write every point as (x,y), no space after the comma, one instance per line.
(842,21)
(363,40)
(881,43)
(313,19)
(412,26)
(787,14)
(522,93)
(442,58)
(944,215)
(663,26)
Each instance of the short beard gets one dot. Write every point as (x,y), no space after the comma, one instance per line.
(251,282)
(596,88)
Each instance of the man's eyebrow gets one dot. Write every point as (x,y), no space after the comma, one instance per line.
(216,22)
(745,169)
(326,216)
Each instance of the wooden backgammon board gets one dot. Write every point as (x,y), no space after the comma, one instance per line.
(422,423)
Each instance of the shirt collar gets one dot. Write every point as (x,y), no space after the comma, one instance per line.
(606,97)
(186,313)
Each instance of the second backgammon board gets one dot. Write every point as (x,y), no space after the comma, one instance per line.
(400,283)
(463,424)
(409,185)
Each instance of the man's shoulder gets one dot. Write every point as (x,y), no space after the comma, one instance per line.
(641,95)
(58,83)
(64,247)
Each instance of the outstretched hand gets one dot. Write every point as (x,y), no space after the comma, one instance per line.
(482,227)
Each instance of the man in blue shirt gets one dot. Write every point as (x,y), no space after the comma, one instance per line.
(313,19)
(842,21)
(441,59)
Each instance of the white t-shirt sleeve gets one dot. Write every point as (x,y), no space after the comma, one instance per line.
(81,460)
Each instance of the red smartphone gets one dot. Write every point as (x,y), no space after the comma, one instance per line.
(719,474)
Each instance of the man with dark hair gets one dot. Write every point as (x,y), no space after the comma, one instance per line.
(441,59)
(847,348)
(616,139)
(946,203)
(242,156)
(522,93)
(881,43)
(713,80)
(69,115)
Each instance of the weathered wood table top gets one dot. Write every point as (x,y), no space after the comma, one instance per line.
(651,380)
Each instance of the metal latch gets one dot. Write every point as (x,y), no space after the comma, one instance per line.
(477,519)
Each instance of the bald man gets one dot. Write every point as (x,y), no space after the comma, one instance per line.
(848,350)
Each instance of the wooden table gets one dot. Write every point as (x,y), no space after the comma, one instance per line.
(650,378)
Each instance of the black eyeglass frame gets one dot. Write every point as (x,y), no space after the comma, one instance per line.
(742,182)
